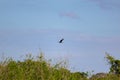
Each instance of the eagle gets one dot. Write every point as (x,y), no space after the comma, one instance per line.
(61,40)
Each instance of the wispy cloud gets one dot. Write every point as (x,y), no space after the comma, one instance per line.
(98,39)
(105,4)
(70,15)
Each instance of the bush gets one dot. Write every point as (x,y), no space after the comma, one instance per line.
(36,69)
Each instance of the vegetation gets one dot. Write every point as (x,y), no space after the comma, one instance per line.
(114,64)
(39,68)
(114,73)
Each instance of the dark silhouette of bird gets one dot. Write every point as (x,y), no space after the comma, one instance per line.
(61,40)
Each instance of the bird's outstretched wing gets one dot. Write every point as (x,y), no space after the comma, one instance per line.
(61,40)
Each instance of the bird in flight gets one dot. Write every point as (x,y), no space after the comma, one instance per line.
(61,40)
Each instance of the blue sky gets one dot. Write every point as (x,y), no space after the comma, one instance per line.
(90,28)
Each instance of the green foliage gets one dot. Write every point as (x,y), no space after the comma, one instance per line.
(106,77)
(39,68)
(36,69)
(114,64)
